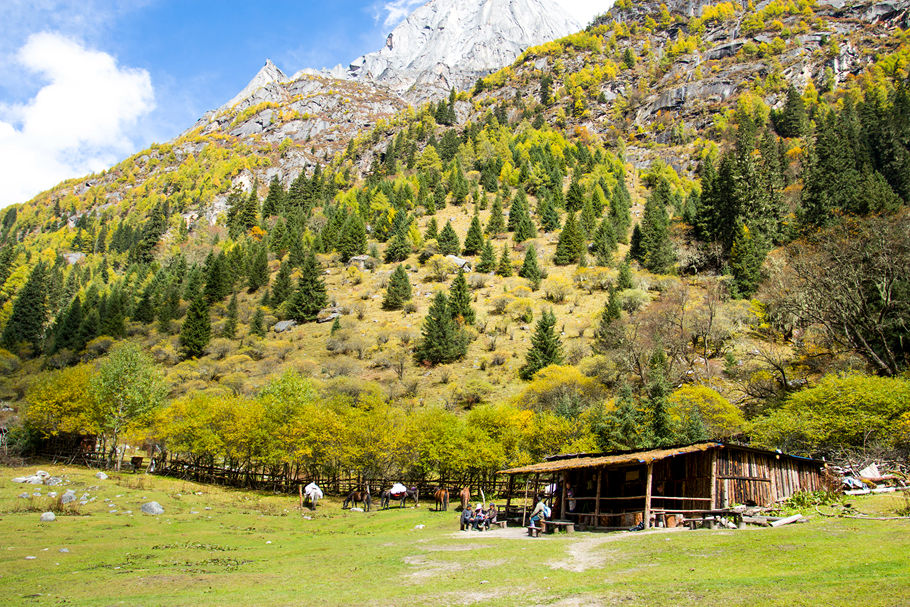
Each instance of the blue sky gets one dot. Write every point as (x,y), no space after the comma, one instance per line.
(85,83)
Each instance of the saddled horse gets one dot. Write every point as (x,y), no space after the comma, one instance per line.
(442,499)
(387,496)
(465,495)
(358,496)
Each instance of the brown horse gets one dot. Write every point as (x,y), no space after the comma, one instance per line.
(442,499)
(358,496)
(465,496)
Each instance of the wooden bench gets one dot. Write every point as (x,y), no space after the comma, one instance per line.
(553,526)
(500,524)
(534,531)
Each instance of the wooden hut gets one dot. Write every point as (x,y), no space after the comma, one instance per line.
(619,490)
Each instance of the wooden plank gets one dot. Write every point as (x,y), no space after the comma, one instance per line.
(648,483)
(787,521)
(714,478)
(562,498)
(600,475)
(747,478)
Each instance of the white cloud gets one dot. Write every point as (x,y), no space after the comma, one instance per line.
(396,11)
(585,10)
(79,122)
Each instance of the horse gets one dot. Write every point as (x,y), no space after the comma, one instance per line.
(465,495)
(387,496)
(311,494)
(358,496)
(442,499)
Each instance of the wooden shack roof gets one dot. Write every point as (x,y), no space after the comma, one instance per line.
(594,461)
(560,463)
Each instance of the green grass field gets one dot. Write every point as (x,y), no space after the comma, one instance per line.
(223,547)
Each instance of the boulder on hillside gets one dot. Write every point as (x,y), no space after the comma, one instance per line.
(152,508)
(48,517)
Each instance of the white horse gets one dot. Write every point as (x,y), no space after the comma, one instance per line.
(312,494)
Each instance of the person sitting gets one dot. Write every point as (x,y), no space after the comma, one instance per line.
(480,518)
(540,512)
(492,514)
(466,519)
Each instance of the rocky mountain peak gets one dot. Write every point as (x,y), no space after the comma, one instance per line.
(268,74)
(444,44)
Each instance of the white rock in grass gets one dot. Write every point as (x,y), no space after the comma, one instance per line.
(69,496)
(153,508)
(101,476)
(31,558)
(48,517)
(65,550)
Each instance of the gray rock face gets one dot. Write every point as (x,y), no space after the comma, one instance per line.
(48,517)
(267,75)
(152,508)
(446,44)
(101,476)
(68,497)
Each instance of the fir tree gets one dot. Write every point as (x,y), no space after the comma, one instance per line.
(658,391)
(114,317)
(588,220)
(621,211)
(460,300)
(657,254)
(217,281)
(170,304)
(504,268)
(67,335)
(530,269)
(281,290)
(448,240)
(793,120)
(310,296)
(353,239)
(274,200)
(568,247)
(746,259)
(398,249)
(604,243)
(442,341)
(487,261)
(336,326)
(473,241)
(524,226)
(549,216)
(624,279)
(29,313)
(196,330)
(398,291)
(575,196)
(432,231)
(497,223)
(608,334)
(257,324)
(230,322)
(258,269)
(598,200)
(546,349)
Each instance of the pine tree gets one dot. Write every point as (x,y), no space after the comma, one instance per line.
(442,341)
(353,239)
(29,313)
(487,261)
(257,324)
(568,247)
(546,348)
(310,296)
(114,315)
(497,223)
(432,231)
(67,330)
(624,280)
(588,220)
(258,269)
(658,391)
(621,211)
(746,259)
(460,300)
(170,304)
(473,241)
(398,291)
(274,200)
(398,249)
(530,269)
(549,216)
(249,211)
(196,330)
(608,334)
(230,322)
(145,308)
(336,326)
(504,268)
(575,196)
(792,121)
(656,248)
(281,290)
(448,240)
(598,200)
(604,243)
(217,281)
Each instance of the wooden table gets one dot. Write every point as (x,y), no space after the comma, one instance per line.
(551,526)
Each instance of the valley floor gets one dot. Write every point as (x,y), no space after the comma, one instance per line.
(214,546)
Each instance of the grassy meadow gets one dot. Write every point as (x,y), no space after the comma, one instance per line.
(214,546)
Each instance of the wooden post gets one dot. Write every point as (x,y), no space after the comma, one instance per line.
(648,483)
(562,498)
(600,474)
(524,507)
(714,505)
(509,494)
